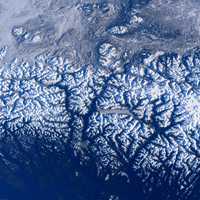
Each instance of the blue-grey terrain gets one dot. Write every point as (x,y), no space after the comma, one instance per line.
(100,99)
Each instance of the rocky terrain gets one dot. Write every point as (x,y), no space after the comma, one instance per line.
(99,99)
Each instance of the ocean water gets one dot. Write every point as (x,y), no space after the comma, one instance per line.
(99,100)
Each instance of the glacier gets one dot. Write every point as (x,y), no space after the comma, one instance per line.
(99,100)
